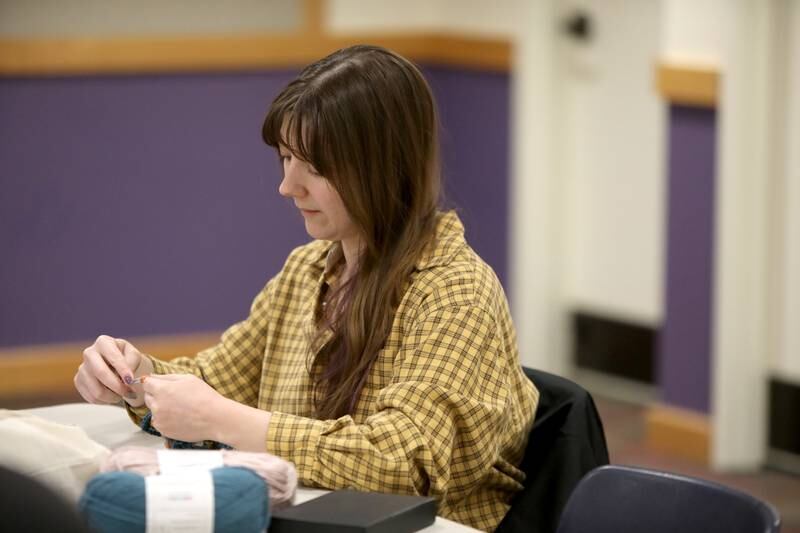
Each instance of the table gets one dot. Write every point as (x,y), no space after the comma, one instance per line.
(110,426)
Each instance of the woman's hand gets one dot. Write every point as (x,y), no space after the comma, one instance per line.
(184,407)
(108,366)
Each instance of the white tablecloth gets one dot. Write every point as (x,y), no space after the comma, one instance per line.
(110,426)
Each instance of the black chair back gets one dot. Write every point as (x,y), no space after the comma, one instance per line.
(617,499)
(565,443)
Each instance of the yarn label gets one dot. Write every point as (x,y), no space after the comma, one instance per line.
(180,503)
(177,461)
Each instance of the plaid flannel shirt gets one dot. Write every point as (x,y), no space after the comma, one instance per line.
(446,408)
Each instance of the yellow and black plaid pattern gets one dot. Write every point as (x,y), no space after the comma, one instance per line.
(445,411)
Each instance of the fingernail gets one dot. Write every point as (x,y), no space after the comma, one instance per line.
(128,380)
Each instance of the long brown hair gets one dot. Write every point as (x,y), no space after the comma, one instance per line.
(365,118)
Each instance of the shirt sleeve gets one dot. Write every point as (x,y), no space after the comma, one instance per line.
(437,427)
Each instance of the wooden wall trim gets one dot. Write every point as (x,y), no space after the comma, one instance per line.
(49,369)
(58,57)
(691,86)
(678,432)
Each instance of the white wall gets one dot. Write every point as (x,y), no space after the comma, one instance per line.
(692,31)
(786,363)
(345,16)
(612,162)
(98,18)
(741,272)
(500,18)
(536,234)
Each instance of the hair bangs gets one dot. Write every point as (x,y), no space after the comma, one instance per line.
(294,123)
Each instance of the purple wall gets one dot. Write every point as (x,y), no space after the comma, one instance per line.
(685,351)
(476,153)
(148,205)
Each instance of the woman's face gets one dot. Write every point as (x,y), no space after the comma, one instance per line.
(321,206)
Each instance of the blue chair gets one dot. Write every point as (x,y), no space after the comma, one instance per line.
(619,499)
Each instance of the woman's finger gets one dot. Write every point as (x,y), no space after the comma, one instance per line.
(132,356)
(93,391)
(107,347)
(83,389)
(97,368)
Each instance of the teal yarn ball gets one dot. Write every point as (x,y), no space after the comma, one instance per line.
(114,502)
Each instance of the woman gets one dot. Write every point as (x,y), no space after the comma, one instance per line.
(382,356)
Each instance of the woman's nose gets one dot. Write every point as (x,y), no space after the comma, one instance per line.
(284,187)
(291,186)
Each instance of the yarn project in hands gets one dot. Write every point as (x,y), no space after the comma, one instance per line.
(279,475)
(115,502)
(147,426)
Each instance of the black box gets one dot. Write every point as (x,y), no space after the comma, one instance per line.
(349,511)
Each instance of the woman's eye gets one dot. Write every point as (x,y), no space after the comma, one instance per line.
(313,170)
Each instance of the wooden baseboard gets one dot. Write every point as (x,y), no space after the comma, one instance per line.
(678,432)
(49,369)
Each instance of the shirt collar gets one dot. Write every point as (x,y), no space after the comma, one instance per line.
(333,259)
(449,239)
